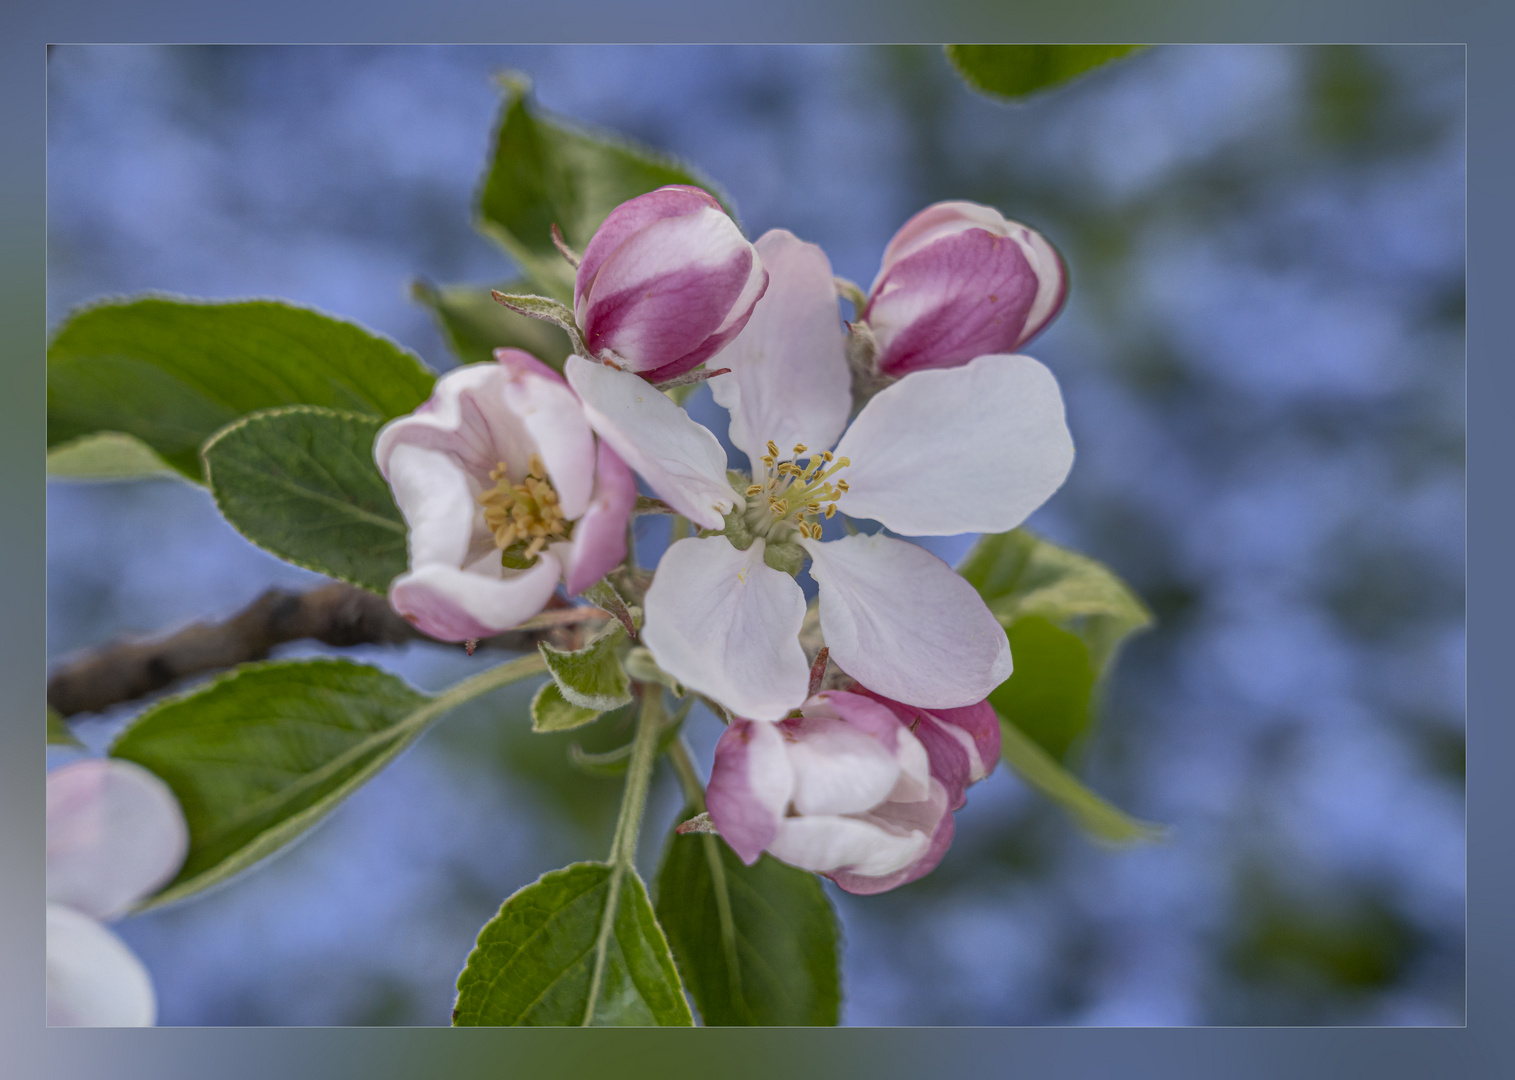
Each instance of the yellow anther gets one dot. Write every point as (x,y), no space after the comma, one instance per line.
(768,459)
(773,449)
(841,485)
(800,448)
(754,489)
(830,509)
(827,455)
(842,463)
(813,507)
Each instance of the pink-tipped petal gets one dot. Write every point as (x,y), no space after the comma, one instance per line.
(456,604)
(901,622)
(93,979)
(599,537)
(750,786)
(663,292)
(725,623)
(975,448)
(114,834)
(789,380)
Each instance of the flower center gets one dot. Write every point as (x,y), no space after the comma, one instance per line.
(523,517)
(792,494)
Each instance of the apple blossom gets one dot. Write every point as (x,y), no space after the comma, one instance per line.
(857,787)
(506,493)
(975,448)
(114,834)
(958,281)
(666,281)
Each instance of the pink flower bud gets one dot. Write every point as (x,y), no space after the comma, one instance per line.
(959,281)
(507,494)
(848,789)
(666,281)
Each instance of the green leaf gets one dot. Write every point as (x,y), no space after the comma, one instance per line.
(172,372)
(549,712)
(1066,616)
(58,733)
(1009,72)
(475,324)
(592,677)
(261,754)
(107,455)
(1048,696)
(546,171)
(534,962)
(301,482)
(1019,574)
(1096,816)
(756,945)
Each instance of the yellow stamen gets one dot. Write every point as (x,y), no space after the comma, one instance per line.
(800,448)
(754,489)
(773,449)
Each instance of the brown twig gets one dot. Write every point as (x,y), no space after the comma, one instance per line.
(340,615)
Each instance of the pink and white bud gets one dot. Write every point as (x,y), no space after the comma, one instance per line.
(507,493)
(960,281)
(847,789)
(666,281)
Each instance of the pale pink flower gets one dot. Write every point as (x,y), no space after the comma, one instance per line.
(859,788)
(115,833)
(974,448)
(507,493)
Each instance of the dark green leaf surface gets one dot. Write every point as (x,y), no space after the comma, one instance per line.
(1009,72)
(172,372)
(756,945)
(546,171)
(1066,616)
(592,677)
(534,962)
(549,712)
(301,482)
(1048,694)
(261,755)
(475,324)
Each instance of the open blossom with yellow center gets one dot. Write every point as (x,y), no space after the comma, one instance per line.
(523,518)
(973,448)
(507,494)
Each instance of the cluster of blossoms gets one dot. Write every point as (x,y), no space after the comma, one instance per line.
(514,479)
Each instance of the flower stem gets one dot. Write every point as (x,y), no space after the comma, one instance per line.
(689,780)
(623,848)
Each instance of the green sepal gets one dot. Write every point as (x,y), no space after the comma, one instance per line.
(785,556)
(475,324)
(550,712)
(592,677)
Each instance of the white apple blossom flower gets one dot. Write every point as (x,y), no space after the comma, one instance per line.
(974,448)
(506,494)
(114,834)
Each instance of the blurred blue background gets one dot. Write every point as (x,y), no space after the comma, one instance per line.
(1263,362)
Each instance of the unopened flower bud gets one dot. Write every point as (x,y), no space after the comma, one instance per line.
(857,787)
(959,281)
(666,281)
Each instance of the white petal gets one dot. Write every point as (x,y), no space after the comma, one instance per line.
(839,769)
(681,460)
(725,623)
(899,621)
(438,499)
(556,422)
(968,449)
(789,379)
(114,834)
(93,979)
(826,842)
(455,604)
